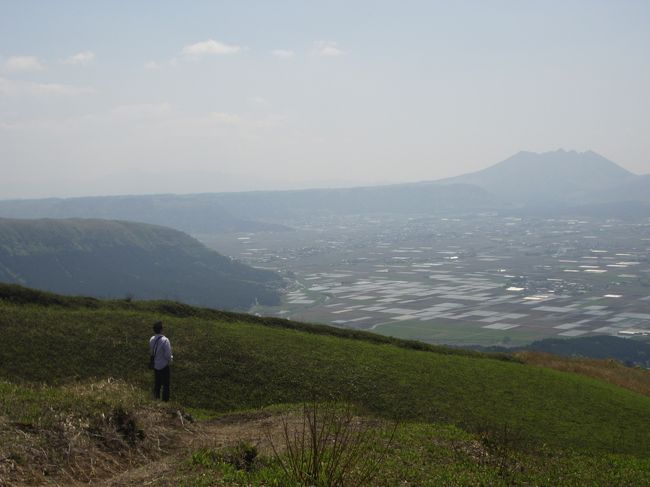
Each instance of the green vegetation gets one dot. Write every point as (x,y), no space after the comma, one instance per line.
(234,363)
(14,294)
(116,259)
(426,455)
(466,418)
(42,404)
(331,447)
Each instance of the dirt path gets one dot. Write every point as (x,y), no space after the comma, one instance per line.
(227,431)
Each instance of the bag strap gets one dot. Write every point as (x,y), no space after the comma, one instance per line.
(155,346)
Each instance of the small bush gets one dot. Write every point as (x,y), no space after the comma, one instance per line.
(331,448)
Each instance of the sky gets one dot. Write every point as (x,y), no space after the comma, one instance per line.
(102,98)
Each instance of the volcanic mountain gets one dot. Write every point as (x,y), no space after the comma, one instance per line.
(529,178)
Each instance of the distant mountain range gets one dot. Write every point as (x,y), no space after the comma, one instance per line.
(114,259)
(196,214)
(552,183)
(256,211)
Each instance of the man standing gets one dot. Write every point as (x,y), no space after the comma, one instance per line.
(161,351)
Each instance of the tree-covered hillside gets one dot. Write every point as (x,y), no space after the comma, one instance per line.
(116,259)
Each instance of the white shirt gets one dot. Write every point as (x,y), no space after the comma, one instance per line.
(163,350)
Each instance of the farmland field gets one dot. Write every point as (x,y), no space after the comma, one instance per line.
(484,279)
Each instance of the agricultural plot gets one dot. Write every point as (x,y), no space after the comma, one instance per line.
(478,280)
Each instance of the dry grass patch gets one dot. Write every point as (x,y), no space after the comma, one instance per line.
(634,379)
(79,434)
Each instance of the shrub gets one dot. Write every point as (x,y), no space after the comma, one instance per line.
(331,447)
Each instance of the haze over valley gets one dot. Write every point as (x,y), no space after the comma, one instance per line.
(537,246)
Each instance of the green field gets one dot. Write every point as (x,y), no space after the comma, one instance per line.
(418,454)
(226,362)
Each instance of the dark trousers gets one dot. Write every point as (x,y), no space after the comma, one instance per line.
(161,382)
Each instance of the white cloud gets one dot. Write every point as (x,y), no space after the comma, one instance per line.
(328,48)
(81,58)
(152,65)
(283,53)
(143,110)
(17,64)
(209,47)
(16,88)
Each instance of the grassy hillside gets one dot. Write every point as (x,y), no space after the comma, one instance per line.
(107,430)
(116,259)
(225,361)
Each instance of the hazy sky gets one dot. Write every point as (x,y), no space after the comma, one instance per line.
(141,97)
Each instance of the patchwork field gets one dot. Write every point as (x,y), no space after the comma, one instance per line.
(480,280)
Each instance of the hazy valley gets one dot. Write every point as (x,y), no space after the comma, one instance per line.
(536,246)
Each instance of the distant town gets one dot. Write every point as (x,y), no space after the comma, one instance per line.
(484,279)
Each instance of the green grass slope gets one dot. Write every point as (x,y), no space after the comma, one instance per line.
(225,361)
(107,430)
(106,258)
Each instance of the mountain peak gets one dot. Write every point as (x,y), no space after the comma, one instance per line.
(554,176)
